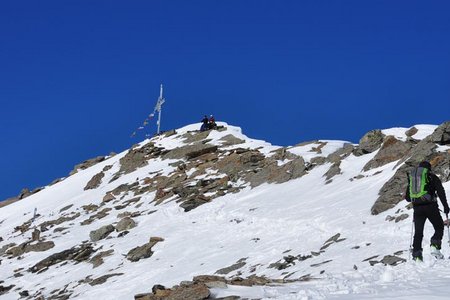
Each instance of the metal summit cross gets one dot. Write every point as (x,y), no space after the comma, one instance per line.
(158,108)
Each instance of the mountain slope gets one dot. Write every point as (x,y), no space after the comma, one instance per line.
(220,203)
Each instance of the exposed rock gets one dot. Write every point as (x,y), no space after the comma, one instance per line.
(411,131)
(193,292)
(29,247)
(49,224)
(6,247)
(108,197)
(195,202)
(393,190)
(5,289)
(97,260)
(138,157)
(289,261)
(232,268)
(101,233)
(100,215)
(195,136)
(441,135)
(208,278)
(87,164)
(190,151)
(392,260)
(65,208)
(35,235)
(391,150)
(125,224)
(144,251)
(90,208)
(230,140)
(333,171)
(370,142)
(103,279)
(401,218)
(95,181)
(77,253)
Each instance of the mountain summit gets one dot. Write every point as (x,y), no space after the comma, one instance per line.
(204,215)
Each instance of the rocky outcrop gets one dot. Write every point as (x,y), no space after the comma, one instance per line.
(44,226)
(393,190)
(29,247)
(103,279)
(126,223)
(87,164)
(190,151)
(198,288)
(144,251)
(101,233)
(195,291)
(370,142)
(138,157)
(441,135)
(95,181)
(77,254)
(97,260)
(390,151)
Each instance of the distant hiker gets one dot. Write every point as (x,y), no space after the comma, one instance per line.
(212,122)
(205,123)
(421,192)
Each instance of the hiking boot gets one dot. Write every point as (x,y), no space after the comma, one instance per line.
(436,252)
(418,259)
(417,255)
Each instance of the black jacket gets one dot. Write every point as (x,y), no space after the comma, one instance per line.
(434,186)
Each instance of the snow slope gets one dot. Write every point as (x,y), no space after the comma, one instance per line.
(259,226)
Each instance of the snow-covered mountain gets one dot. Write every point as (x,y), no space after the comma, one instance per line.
(217,214)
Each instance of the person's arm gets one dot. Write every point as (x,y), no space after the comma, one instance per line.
(407,198)
(441,193)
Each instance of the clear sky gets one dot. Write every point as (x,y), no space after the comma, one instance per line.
(78,77)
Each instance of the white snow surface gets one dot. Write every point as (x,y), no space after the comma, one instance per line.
(260,225)
(400,132)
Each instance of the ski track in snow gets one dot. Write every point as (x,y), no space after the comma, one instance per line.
(262,225)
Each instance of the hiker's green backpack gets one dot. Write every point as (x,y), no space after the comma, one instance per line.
(418,186)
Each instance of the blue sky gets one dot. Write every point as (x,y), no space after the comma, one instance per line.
(77,77)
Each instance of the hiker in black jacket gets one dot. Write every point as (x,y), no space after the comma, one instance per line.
(426,207)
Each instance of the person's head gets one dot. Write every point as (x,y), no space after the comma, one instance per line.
(425,164)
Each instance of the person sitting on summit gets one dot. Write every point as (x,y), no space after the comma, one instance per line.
(205,123)
(212,122)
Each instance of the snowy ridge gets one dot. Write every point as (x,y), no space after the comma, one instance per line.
(306,228)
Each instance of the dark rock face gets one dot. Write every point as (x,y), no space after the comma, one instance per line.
(441,135)
(95,181)
(412,131)
(49,224)
(5,289)
(230,140)
(144,251)
(126,223)
(101,233)
(391,150)
(138,158)
(370,142)
(30,247)
(393,190)
(103,279)
(190,151)
(87,164)
(77,254)
(97,260)
(232,268)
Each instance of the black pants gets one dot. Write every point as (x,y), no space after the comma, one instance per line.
(421,214)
